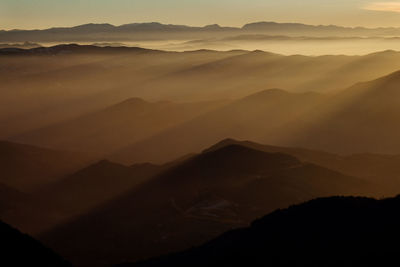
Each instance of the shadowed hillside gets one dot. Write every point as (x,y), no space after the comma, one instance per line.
(95,184)
(21,250)
(195,201)
(71,196)
(10,199)
(323,232)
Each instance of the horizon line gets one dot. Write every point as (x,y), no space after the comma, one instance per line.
(199,26)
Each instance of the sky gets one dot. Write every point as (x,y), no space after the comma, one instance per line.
(40,14)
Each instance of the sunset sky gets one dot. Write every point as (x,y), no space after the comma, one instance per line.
(30,14)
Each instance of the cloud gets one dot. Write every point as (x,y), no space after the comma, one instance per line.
(384,6)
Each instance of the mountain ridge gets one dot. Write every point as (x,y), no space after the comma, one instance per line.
(28,167)
(194,200)
(112,127)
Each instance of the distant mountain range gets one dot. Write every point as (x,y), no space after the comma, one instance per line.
(158,31)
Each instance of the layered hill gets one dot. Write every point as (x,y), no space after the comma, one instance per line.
(72,80)
(379,169)
(323,232)
(361,119)
(73,195)
(195,201)
(27,168)
(262,116)
(116,126)
(96,184)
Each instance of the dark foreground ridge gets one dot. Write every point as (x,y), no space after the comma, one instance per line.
(21,250)
(338,231)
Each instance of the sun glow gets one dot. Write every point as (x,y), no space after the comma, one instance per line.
(384,6)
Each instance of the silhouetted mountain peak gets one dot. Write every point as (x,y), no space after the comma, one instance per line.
(212,27)
(393,77)
(270,92)
(236,149)
(139,102)
(102,165)
(92,27)
(259,24)
(236,157)
(268,95)
(279,94)
(385,87)
(258,51)
(221,144)
(381,55)
(133,102)
(232,161)
(152,26)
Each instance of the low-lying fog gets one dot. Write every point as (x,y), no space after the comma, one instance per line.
(280,45)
